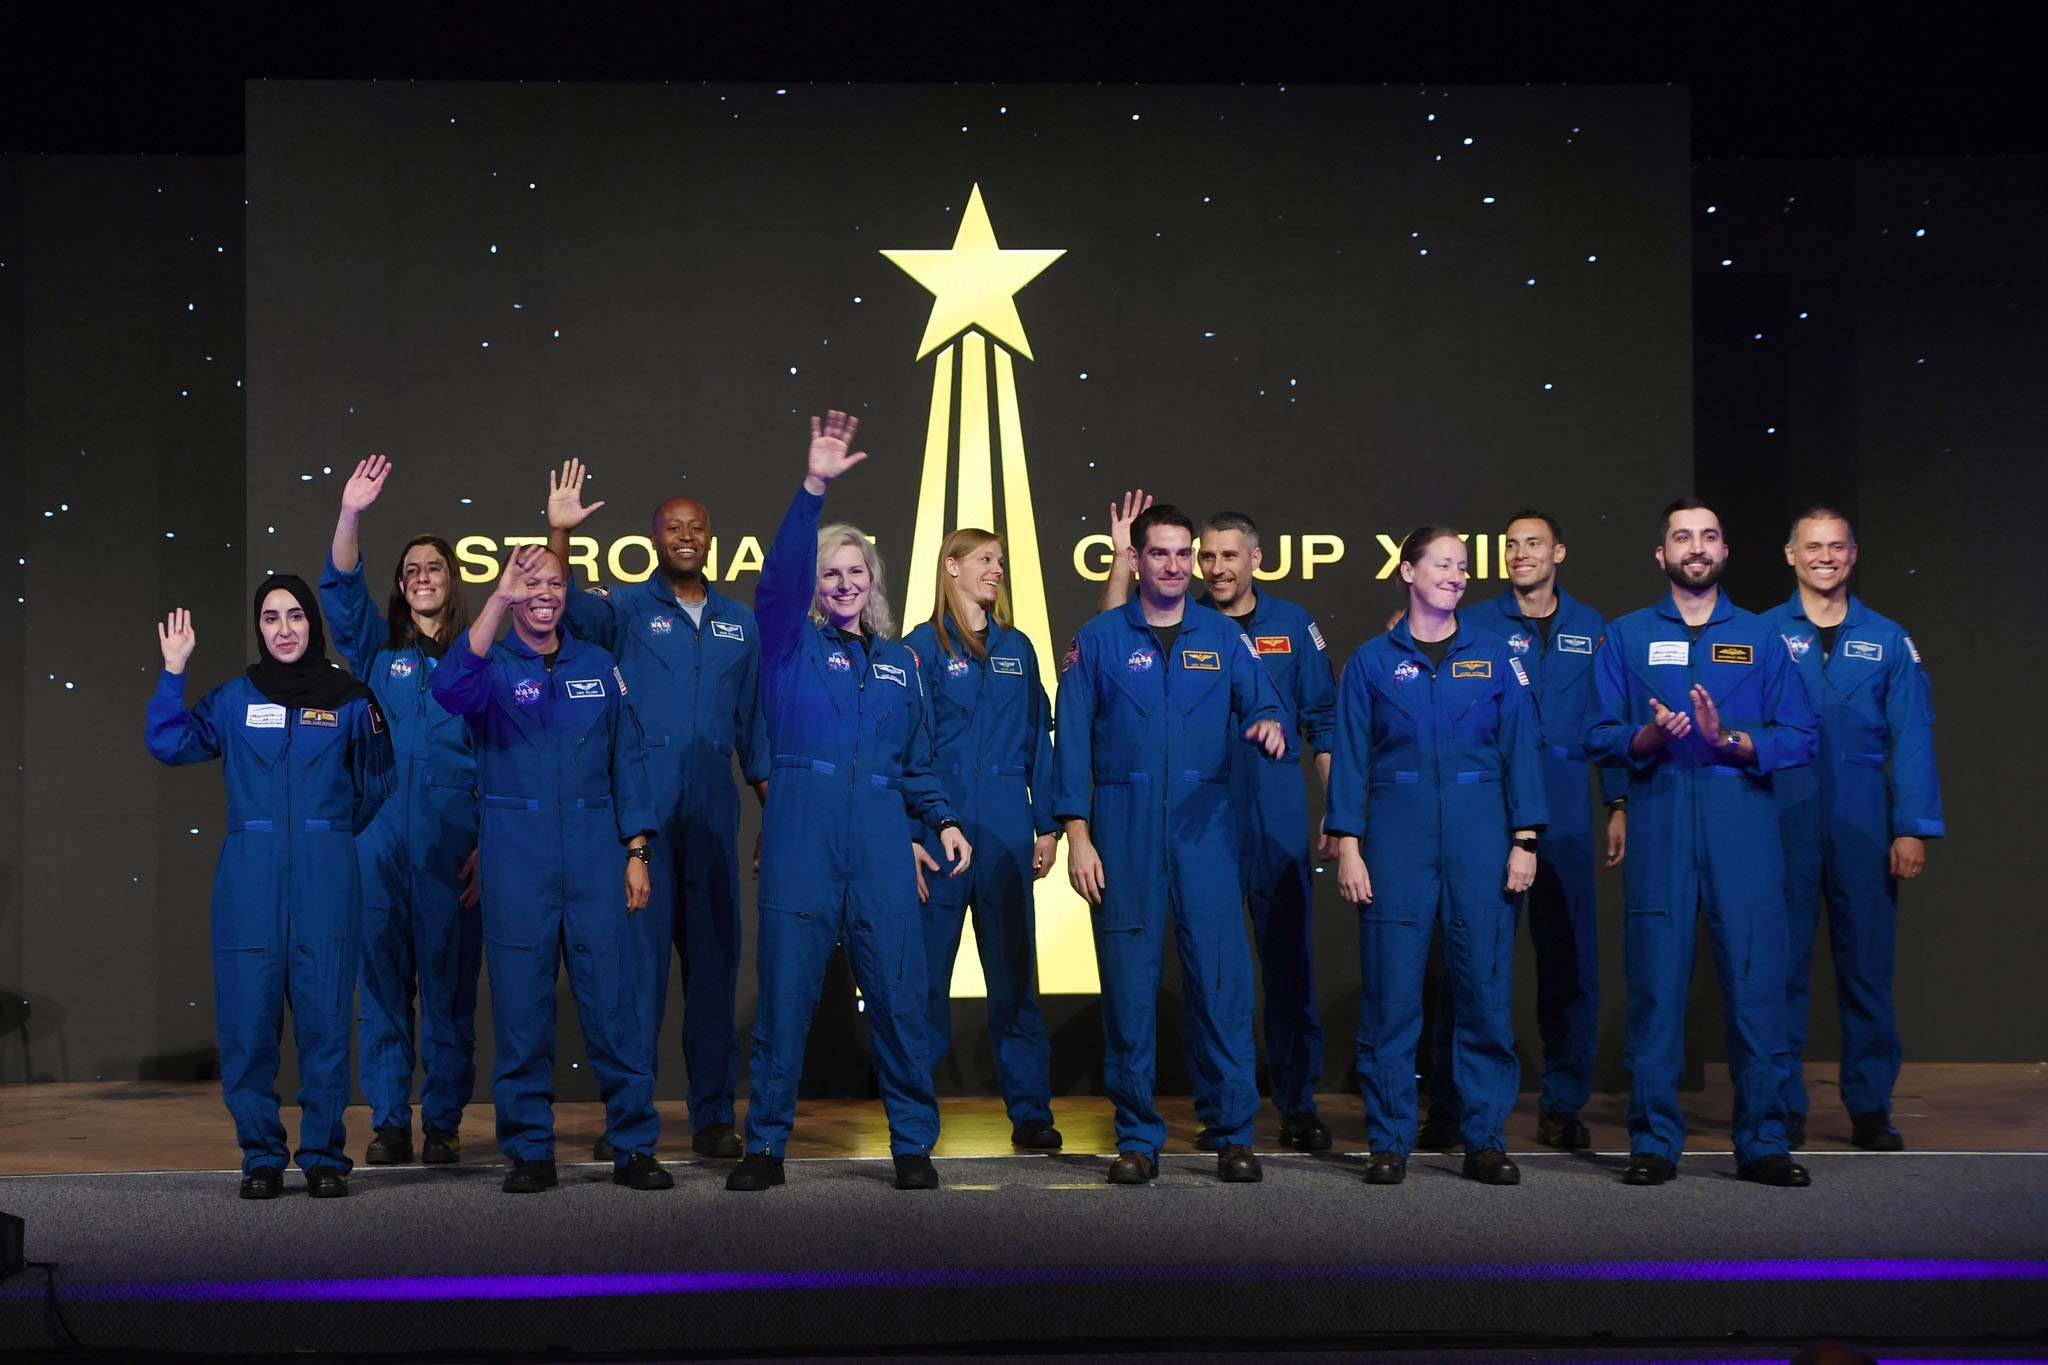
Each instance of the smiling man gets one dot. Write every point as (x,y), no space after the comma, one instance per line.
(1272,805)
(1160,693)
(1855,822)
(692,656)
(1553,635)
(1701,702)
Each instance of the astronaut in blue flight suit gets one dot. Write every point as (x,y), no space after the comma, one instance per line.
(1274,832)
(692,656)
(1854,822)
(1158,693)
(307,762)
(1701,701)
(992,751)
(1436,797)
(1274,838)
(851,735)
(422,931)
(1554,635)
(563,775)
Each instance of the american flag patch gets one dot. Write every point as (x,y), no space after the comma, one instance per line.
(1317,636)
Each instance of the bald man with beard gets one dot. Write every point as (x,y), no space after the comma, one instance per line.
(692,659)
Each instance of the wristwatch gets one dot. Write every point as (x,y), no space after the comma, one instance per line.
(1527,843)
(639,852)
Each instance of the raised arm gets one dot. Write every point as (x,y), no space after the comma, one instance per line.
(173,734)
(590,616)
(1116,589)
(789,574)
(357,494)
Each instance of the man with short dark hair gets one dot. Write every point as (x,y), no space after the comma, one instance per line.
(1554,635)
(692,656)
(1158,694)
(1272,805)
(1701,701)
(1853,823)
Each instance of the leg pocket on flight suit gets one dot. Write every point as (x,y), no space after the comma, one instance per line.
(325,965)
(1391,951)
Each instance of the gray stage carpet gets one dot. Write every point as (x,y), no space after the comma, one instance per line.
(1034,1254)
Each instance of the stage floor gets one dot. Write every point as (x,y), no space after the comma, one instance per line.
(152,1126)
(1944,1248)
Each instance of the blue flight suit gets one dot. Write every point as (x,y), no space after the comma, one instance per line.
(992,751)
(563,774)
(696,689)
(1145,756)
(1274,852)
(1433,769)
(851,736)
(287,899)
(418,936)
(1838,818)
(1564,925)
(1703,834)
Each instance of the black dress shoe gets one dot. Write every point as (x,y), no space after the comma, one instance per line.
(756,1171)
(1037,1134)
(1647,1168)
(1440,1133)
(718,1140)
(1385,1168)
(914,1171)
(1563,1131)
(1131,1168)
(1238,1164)
(1304,1133)
(325,1182)
(1491,1166)
(1776,1169)
(441,1147)
(391,1147)
(643,1172)
(1873,1132)
(263,1182)
(530,1177)
(601,1150)
(1795,1130)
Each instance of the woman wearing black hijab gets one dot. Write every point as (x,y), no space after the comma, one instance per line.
(307,762)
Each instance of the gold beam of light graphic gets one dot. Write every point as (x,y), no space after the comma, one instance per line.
(973,287)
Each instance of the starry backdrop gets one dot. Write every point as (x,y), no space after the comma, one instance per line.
(1908,393)
(1344,311)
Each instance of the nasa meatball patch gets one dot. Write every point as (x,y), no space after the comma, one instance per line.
(526,692)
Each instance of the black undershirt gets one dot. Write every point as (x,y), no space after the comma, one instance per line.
(1434,650)
(1167,635)
(1827,640)
(1694,631)
(552,655)
(1543,624)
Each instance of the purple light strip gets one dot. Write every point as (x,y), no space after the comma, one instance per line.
(398,1289)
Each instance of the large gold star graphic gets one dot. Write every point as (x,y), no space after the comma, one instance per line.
(975,283)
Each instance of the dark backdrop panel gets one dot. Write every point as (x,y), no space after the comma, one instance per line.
(1871,335)
(126,274)
(1344,311)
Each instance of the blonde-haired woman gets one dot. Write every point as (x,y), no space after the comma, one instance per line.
(848,725)
(992,751)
